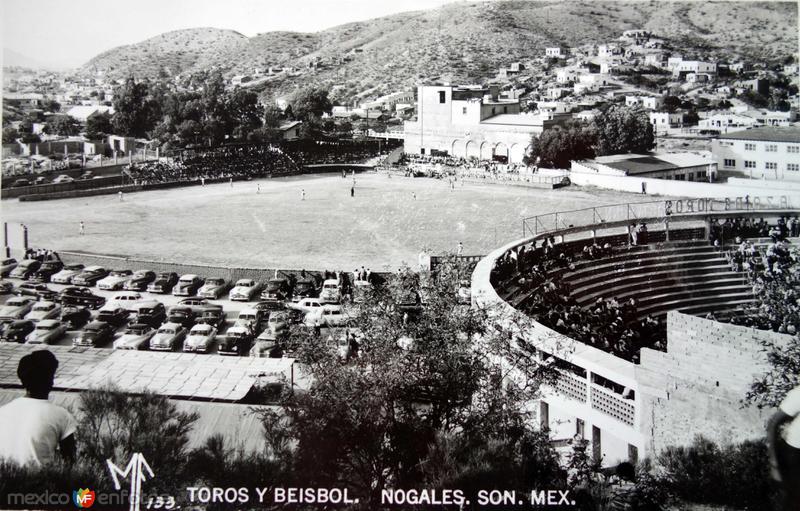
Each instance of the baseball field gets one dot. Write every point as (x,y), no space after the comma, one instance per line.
(272,223)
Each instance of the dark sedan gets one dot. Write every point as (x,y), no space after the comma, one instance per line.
(95,334)
(163,283)
(25,269)
(81,296)
(75,317)
(117,316)
(40,291)
(89,276)
(140,280)
(182,315)
(16,331)
(46,271)
(214,316)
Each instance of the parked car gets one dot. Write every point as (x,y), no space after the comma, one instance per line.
(150,312)
(40,291)
(128,300)
(212,315)
(236,342)
(200,339)
(25,269)
(305,305)
(63,178)
(268,345)
(306,288)
(139,280)
(181,315)
(244,290)
(20,182)
(164,283)
(40,180)
(47,331)
(114,280)
(46,271)
(81,296)
(75,317)
(328,316)
(89,276)
(135,337)
(66,274)
(169,337)
(95,334)
(196,304)
(330,291)
(6,265)
(17,330)
(116,317)
(44,310)
(17,307)
(269,306)
(214,288)
(251,319)
(86,175)
(187,285)
(277,290)
(279,321)
(6,287)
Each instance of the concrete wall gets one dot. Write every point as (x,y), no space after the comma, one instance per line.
(678,188)
(697,387)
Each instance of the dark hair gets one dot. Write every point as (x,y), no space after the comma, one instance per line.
(37,369)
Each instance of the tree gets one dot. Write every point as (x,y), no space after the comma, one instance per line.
(64,125)
(98,126)
(424,384)
(622,130)
(10,135)
(52,106)
(136,112)
(310,101)
(30,138)
(557,146)
(245,113)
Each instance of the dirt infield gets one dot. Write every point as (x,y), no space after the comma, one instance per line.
(385,223)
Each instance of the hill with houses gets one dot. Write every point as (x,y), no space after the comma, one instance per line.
(462,42)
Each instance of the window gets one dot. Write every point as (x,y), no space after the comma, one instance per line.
(771,165)
(441,96)
(794,149)
(772,148)
(464,110)
(793,167)
(729,163)
(749,164)
(749,147)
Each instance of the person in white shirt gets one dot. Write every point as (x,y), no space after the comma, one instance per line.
(31,427)
(783,439)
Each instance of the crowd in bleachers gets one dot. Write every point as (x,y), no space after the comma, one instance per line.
(459,167)
(608,324)
(235,162)
(336,151)
(737,229)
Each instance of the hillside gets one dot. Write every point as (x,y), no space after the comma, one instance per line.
(460,42)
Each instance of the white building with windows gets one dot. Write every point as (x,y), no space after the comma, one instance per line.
(663,121)
(761,153)
(473,121)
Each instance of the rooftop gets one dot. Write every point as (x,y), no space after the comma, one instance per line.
(514,120)
(639,164)
(767,134)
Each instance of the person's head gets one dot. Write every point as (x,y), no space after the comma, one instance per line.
(36,371)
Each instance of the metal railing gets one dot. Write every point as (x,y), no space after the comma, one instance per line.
(633,211)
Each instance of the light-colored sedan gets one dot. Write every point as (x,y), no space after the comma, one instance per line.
(305,305)
(17,307)
(168,337)
(136,337)
(63,178)
(128,300)
(200,338)
(329,316)
(115,280)
(44,310)
(66,274)
(47,331)
(245,290)
(213,288)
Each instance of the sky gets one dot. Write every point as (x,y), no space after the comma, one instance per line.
(66,33)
